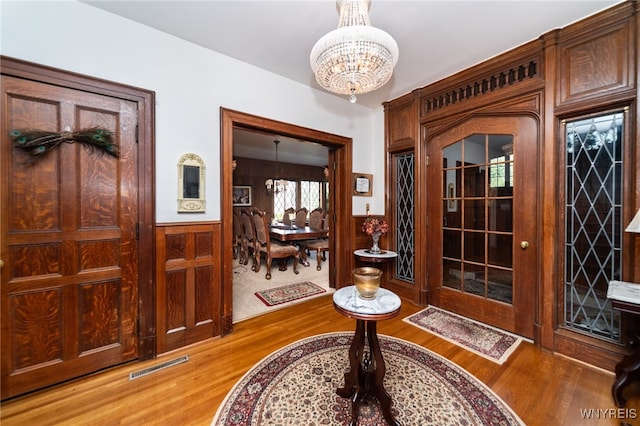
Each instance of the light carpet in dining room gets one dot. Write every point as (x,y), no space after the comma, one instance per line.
(247,282)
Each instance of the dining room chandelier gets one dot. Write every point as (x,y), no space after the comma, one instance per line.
(355,58)
(277,185)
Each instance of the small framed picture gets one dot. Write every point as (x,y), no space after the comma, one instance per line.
(362,184)
(241,196)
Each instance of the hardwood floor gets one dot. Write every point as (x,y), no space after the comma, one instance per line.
(543,389)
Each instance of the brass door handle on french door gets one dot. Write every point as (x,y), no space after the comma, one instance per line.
(524,244)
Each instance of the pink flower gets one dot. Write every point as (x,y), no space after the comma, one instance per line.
(374,224)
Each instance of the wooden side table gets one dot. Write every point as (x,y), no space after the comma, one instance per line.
(625,297)
(364,255)
(367,370)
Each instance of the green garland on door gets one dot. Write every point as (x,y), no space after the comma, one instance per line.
(39,142)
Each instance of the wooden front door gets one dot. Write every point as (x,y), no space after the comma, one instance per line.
(68,242)
(484,174)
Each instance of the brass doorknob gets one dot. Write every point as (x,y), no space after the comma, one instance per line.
(524,244)
(1,263)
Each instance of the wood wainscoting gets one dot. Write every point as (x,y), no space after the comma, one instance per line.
(189,289)
(577,72)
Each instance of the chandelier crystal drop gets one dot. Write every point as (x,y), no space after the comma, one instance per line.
(355,58)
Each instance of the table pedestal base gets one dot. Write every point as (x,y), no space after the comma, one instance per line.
(627,371)
(367,373)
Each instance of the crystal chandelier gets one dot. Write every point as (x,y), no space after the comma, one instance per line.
(280,184)
(355,58)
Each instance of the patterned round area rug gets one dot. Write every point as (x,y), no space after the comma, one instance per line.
(297,384)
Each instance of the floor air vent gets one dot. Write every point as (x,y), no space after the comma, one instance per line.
(158,367)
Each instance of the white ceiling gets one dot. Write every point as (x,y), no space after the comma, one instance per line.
(261,146)
(435,38)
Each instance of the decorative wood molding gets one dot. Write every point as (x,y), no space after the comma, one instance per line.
(483,85)
(554,77)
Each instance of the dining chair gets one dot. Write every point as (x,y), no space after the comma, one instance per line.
(315,222)
(315,218)
(248,238)
(271,250)
(286,219)
(237,236)
(318,220)
(301,217)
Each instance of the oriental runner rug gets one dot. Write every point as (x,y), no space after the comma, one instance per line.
(297,384)
(482,339)
(287,293)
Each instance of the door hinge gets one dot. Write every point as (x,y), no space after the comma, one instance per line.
(137,133)
(137,231)
(427,162)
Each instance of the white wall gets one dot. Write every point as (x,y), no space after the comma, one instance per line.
(191,84)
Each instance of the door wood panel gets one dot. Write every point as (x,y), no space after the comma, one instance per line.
(69,223)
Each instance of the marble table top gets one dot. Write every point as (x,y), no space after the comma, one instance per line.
(348,299)
(624,291)
(385,254)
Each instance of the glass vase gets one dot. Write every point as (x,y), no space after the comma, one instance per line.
(375,248)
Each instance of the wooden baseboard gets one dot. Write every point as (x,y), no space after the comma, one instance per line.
(597,353)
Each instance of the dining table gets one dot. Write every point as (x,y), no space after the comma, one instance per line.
(292,233)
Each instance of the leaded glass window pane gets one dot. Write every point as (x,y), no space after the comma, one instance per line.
(310,195)
(593,235)
(287,193)
(284,196)
(404,216)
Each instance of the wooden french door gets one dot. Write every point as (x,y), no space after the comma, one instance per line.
(68,241)
(483,195)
